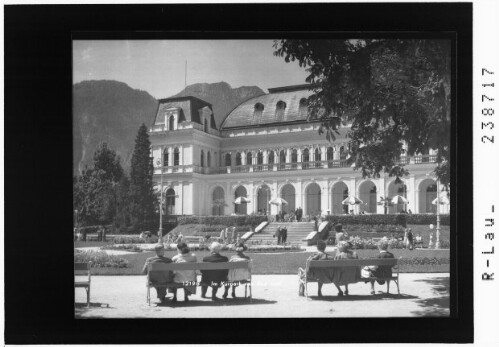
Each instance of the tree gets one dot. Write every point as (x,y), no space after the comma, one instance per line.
(142,198)
(94,191)
(105,159)
(393,92)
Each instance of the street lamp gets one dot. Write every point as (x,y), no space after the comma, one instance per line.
(437,242)
(160,231)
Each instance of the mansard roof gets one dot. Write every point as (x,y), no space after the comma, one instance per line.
(249,113)
(188,105)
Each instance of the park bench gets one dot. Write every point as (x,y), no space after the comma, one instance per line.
(352,263)
(83,269)
(155,267)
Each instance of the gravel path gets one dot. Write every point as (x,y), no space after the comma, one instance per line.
(273,296)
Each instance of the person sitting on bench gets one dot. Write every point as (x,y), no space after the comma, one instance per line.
(321,274)
(159,277)
(346,275)
(379,271)
(184,256)
(237,276)
(213,278)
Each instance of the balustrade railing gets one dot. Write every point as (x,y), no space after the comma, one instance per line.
(308,165)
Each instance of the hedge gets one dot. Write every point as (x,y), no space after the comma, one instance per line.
(389,219)
(99,259)
(134,239)
(252,220)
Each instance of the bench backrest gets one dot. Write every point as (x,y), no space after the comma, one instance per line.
(198,266)
(352,262)
(82,269)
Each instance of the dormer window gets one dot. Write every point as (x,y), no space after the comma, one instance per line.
(171,122)
(279,111)
(205,125)
(258,110)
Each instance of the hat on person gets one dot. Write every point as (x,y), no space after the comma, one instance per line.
(159,247)
(338,227)
(240,247)
(182,247)
(216,247)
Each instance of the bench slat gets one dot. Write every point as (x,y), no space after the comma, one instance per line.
(198,266)
(352,262)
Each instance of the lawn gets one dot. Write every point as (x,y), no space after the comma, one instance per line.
(286,263)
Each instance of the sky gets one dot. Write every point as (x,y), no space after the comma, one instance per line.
(158,66)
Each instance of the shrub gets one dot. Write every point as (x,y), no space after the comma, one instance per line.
(427,219)
(252,220)
(368,228)
(99,259)
(134,239)
(369,219)
(92,229)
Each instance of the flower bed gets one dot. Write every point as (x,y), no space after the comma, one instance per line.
(99,259)
(251,220)
(124,247)
(134,239)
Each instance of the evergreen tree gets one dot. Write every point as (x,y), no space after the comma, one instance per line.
(142,198)
(108,161)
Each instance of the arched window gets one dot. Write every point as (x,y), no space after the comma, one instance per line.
(176,157)
(303,108)
(202,158)
(279,111)
(294,158)
(282,157)
(259,158)
(258,110)
(218,202)
(330,153)
(249,158)
(171,123)
(228,159)
(170,202)
(238,159)
(208,160)
(317,157)
(206,125)
(271,157)
(166,157)
(343,153)
(305,158)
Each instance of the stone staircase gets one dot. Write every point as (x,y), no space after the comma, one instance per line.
(296,232)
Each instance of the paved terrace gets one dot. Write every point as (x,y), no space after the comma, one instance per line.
(274,296)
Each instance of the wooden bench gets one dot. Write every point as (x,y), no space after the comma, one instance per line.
(155,267)
(349,263)
(83,269)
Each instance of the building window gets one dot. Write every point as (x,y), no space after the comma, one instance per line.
(171,123)
(208,162)
(343,153)
(259,158)
(279,112)
(228,159)
(202,158)
(205,125)
(176,157)
(303,108)
(330,153)
(258,110)
(282,157)
(170,202)
(305,155)
(249,158)
(165,157)
(238,159)
(271,157)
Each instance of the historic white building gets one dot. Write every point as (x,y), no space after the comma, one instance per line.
(265,148)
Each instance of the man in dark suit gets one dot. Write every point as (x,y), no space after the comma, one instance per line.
(299,214)
(159,277)
(278,235)
(213,277)
(284,235)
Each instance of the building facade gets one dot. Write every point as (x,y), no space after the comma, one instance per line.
(267,147)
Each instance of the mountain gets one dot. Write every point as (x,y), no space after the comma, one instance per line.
(221,95)
(108,111)
(111,111)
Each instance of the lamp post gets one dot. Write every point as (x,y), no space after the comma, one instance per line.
(437,242)
(160,231)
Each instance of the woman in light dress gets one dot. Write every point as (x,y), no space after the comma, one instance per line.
(238,276)
(184,256)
